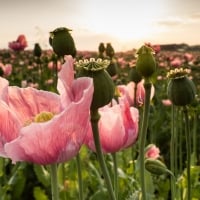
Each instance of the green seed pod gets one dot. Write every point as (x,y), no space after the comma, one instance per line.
(145,63)
(156,167)
(104,87)
(62,42)
(181,90)
(134,75)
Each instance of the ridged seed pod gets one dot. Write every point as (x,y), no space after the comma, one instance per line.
(104,87)
(181,90)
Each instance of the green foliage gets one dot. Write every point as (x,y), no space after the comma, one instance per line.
(32,182)
(39,194)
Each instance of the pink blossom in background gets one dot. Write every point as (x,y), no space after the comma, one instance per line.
(155,47)
(128,91)
(19,44)
(43,127)
(51,65)
(7,69)
(118,127)
(188,57)
(166,102)
(152,151)
(176,62)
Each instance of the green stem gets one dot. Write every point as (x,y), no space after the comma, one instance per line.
(143,134)
(94,121)
(54,181)
(63,178)
(188,146)
(80,182)
(195,137)
(115,174)
(172,151)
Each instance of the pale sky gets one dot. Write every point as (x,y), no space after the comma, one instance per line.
(126,24)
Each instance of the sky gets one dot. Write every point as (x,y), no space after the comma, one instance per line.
(126,24)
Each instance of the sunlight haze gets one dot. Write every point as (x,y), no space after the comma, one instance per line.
(126,24)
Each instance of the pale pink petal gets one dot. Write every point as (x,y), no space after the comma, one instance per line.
(57,140)
(65,79)
(28,102)
(9,126)
(112,133)
(3,88)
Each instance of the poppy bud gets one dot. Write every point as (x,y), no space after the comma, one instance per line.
(181,90)
(62,42)
(37,50)
(145,63)
(156,167)
(134,75)
(104,87)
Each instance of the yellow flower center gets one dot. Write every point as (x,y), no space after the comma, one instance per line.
(43,117)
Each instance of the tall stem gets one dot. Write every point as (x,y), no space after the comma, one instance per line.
(115,174)
(172,151)
(80,182)
(143,134)
(54,182)
(194,150)
(94,121)
(188,146)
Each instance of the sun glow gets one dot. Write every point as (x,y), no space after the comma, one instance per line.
(130,21)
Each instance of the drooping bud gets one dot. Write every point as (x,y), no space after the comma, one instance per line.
(37,50)
(110,52)
(181,90)
(145,63)
(62,42)
(104,87)
(156,167)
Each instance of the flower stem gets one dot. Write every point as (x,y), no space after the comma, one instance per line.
(114,156)
(54,181)
(80,182)
(188,146)
(172,151)
(94,121)
(142,140)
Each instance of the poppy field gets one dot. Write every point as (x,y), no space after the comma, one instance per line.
(99,125)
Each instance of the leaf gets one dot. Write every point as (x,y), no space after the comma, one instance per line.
(42,174)
(99,195)
(39,194)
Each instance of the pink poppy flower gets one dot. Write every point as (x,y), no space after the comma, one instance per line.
(152,151)
(118,127)
(19,44)
(43,127)
(128,91)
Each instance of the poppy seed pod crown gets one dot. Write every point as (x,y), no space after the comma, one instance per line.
(104,87)
(181,90)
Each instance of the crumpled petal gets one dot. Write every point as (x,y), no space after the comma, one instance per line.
(60,138)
